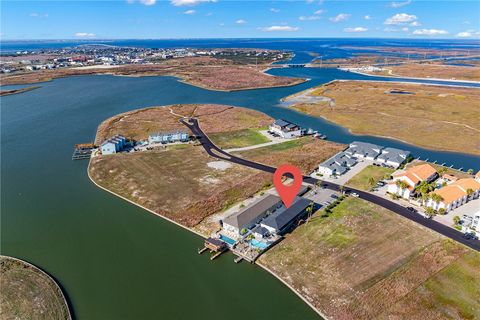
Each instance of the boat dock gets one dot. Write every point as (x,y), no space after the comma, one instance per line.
(82,151)
(215,246)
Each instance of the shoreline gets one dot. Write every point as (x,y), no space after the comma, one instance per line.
(204,237)
(412,78)
(57,286)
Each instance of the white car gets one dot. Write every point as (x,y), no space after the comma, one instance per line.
(353,194)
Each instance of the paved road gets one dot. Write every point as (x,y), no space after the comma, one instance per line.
(218,153)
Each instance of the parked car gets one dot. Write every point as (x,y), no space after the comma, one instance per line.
(470,236)
(334,196)
(412,209)
(354,194)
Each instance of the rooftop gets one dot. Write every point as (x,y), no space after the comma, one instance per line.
(252,211)
(281,218)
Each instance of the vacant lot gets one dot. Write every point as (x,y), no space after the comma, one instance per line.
(442,118)
(238,139)
(305,153)
(435,71)
(368,177)
(211,73)
(364,262)
(27,293)
(177,182)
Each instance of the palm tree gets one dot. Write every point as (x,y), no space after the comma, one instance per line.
(371,181)
(436,197)
(470,171)
(469,193)
(309,210)
(401,185)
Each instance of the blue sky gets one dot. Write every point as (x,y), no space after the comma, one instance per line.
(154,19)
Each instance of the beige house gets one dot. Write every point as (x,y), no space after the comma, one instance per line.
(455,194)
(412,178)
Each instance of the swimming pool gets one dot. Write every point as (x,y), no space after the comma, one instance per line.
(226,239)
(258,244)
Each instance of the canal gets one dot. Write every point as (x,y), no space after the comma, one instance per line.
(114,260)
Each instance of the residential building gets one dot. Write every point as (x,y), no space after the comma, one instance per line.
(283,219)
(455,194)
(252,214)
(477,176)
(285,129)
(113,145)
(412,177)
(475,225)
(168,137)
(393,157)
(337,165)
(364,150)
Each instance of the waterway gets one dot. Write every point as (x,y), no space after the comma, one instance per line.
(114,260)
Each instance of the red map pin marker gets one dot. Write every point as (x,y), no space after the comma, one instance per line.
(287,192)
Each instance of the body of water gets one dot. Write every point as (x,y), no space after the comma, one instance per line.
(114,260)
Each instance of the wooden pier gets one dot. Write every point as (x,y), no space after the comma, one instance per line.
(83,151)
(215,246)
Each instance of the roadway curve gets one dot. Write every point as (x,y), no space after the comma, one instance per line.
(218,153)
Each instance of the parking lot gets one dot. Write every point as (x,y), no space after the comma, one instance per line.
(321,196)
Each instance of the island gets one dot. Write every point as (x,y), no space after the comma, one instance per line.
(17,91)
(434,117)
(346,257)
(29,293)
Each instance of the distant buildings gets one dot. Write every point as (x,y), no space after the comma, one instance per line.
(410,179)
(168,137)
(285,129)
(454,194)
(113,145)
(252,214)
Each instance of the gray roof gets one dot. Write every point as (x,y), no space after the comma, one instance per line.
(115,139)
(252,212)
(167,133)
(281,123)
(339,162)
(261,230)
(364,148)
(281,218)
(393,154)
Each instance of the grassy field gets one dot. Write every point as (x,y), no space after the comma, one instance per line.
(364,262)
(305,153)
(26,293)
(177,182)
(438,71)
(363,179)
(441,118)
(238,139)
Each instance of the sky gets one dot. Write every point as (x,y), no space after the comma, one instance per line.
(173,19)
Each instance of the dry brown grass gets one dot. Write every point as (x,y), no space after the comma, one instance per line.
(438,71)
(305,153)
(211,73)
(365,262)
(435,117)
(176,182)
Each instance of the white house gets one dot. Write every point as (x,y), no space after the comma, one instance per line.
(475,226)
(113,145)
(364,150)
(455,194)
(392,157)
(412,177)
(337,165)
(168,137)
(285,129)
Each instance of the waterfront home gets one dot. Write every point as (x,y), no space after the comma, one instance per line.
(251,215)
(410,179)
(285,129)
(364,150)
(454,195)
(283,219)
(113,145)
(475,225)
(393,157)
(337,165)
(168,137)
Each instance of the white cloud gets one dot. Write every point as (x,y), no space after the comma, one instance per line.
(429,32)
(179,3)
(279,28)
(318,12)
(357,29)
(189,12)
(390,29)
(367,17)
(84,34)
(308,18)
(35,14)
(401,18)
(240,21)
(415,24)
(148,2)
(405,29)
(208,14)
(274,10)
(467,34)
(400,4)
(341,17)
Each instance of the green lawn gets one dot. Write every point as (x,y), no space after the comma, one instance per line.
(238,138)
(363,181)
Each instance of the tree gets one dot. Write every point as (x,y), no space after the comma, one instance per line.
(469,193)
(309,210)
(441,211)
(371,181)
(430,212)
(442,170)
(341,189)
(456,220)
(470,171)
